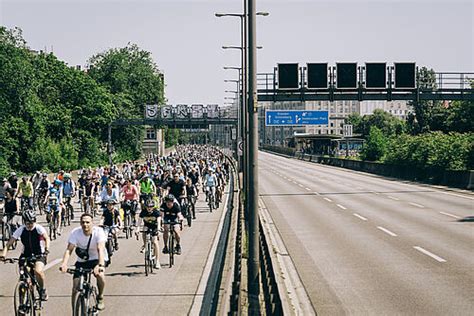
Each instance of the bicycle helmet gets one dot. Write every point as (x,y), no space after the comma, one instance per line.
(53,191)
(24,178)
(45,174)
(150,203)
(57,182)
(169,198)
(29,216)
(67,176)
(111,201)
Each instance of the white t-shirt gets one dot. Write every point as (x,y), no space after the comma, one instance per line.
(78,239)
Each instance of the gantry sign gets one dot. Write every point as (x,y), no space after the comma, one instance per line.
(349,81)
(196,116)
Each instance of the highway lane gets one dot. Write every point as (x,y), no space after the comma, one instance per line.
(128,290)
(363,244)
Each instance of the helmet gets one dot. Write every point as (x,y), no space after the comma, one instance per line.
(29,216)
(4,180)
(67,176)
(57,182)
(45,174)
(12,174)
(54,191)
(24,178)
(169,198)
(150,203)
(111,201)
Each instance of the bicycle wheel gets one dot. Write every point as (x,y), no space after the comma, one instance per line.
(147,263)
(128,232)
(23,299)
(171,245)
(150,256)
(80,307)
(70,214)
(189,218)
(4,237)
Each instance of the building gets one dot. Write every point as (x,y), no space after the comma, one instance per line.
(153,142)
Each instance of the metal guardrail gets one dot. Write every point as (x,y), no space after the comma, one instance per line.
(271,295)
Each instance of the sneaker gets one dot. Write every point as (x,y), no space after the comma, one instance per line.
(165,250)
(100,303)
(44,295)
(177,249)
(142,250)
(157,265)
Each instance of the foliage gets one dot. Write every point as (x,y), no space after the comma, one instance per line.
(376,145)
(453,151)
(387,123)
(133,79)
(53,116)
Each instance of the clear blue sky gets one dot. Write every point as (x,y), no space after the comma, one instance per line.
(185,37)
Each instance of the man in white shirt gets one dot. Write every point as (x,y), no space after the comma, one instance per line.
(89,242)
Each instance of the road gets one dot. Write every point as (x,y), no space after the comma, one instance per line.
(128,291)
(366,245)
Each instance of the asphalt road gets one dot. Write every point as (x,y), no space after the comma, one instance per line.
(169,291)
(366,245)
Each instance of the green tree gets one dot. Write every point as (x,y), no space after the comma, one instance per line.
(376,145)
(134,80)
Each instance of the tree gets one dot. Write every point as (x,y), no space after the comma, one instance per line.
(375,147)
(134,80)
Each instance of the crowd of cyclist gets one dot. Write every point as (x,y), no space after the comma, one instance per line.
(151,195)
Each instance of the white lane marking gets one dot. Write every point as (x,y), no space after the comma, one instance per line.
(300,185)
(52,264)
(451,215)
(329,200)
(294,182)
(289,179)
(359,216)
(393,198)
(308,189)
(432,255)
(340,206)
(417,205)
(466,197)
(387,231)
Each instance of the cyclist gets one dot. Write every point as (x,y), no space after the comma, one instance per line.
(82,184)
(109,192)
(130,193)
(69,190)
(191,193)
(210,182)
(171,211)
(111,220)
(56,191)
(35,242)
(25,191)
(89,189)
(13,180)
(151,219)
(88,241)
(4,186)
(147,188)
(11,207)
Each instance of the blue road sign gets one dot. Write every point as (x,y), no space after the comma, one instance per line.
(295,118)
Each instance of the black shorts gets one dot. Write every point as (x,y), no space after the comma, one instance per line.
(40,259)
(167,219)
(85,265)
(153,230)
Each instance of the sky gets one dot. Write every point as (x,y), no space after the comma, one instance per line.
(185,38)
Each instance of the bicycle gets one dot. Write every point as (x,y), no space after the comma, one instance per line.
(41,200)
(8,228)
(111,243)
(52,216)
(150,256)
(69,211)
(85,299)
(127,207)
(186,211)
(171,238)
(192,206)
(210,199)
(24,298)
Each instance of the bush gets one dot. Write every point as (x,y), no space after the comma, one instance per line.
(375,147)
